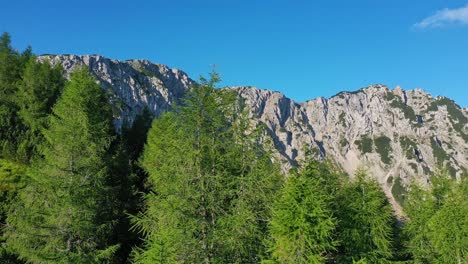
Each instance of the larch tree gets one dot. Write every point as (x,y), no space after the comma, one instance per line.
(437,225)
(63,215)
(303,225)
(206,178)
(365,221)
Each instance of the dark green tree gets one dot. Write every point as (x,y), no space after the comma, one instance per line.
(64,214)
(38,91)
(10,74)
(128,182)
(365,221)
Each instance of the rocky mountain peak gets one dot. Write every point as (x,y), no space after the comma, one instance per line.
(397,135)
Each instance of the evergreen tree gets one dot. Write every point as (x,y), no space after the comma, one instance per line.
(38,91)
(437,225)
(205,179)
(10,74)
(303,225)
(128,182)
(28,90)
(365,220)
(11,181)
(63,214)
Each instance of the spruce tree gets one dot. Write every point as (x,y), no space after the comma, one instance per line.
(63,215)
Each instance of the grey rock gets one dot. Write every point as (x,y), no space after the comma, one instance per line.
(423,133)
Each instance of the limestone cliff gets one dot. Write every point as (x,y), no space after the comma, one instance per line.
(397,135)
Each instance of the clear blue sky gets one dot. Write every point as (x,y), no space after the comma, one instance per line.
(302,48)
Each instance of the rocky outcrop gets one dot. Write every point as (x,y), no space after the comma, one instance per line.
(397,135)
(131,85)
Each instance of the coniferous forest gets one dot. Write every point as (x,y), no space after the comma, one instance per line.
(198,184)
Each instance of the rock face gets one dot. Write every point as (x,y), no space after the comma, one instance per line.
(131,85)
(397,135)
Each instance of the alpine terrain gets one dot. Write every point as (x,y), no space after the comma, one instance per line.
(397,135)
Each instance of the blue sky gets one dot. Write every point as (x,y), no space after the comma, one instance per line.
(302,48)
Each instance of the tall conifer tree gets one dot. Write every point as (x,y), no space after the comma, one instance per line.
(203,182)
(63,215)
(365,222)
(303,224)
(437,225)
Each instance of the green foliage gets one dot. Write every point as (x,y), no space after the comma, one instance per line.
(128,182)
(407,110)
(343,142)
(210,183)
(408,146)
(342,119)
(11,181)
(303,225)
(439,153)
(383,147)
(389,96)
(64,214)
(398,191)
(438,221)
(38,91)
(10,73)
(365,222)
(457,118)
(28,90)
(365,144)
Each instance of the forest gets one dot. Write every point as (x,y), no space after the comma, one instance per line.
(198,184)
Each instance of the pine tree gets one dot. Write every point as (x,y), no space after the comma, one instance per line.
(303,225)
(365,220)
(63,215)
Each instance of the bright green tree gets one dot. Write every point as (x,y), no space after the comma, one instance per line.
(210,184)
(64,213)
(365,222)
(302,228)
(11,181)
(437,225)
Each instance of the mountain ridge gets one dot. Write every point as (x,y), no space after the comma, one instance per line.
(398,135)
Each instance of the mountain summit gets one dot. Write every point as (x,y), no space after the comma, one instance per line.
(397,135)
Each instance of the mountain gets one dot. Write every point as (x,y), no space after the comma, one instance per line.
(397,135)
